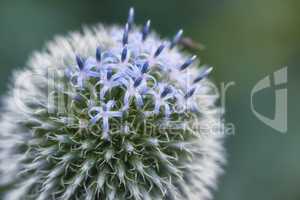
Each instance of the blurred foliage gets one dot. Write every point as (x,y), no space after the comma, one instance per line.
(245,41)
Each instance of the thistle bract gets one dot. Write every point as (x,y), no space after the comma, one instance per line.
(111,113)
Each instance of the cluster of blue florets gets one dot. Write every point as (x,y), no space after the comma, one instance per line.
(138,78)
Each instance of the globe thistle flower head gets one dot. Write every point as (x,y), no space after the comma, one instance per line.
(110,114)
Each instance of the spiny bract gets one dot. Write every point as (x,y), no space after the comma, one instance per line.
(111,113)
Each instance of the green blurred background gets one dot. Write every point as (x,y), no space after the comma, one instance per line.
(245,41)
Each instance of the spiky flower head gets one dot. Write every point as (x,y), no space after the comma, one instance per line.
(112,113)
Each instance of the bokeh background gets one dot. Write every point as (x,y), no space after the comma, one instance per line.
(245,41)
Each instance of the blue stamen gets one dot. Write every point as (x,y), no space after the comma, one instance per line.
(159,50)
(167,90)
(203,74)
(146,30)
(98,55)
(176,39)
(145,67)
(130,19)
(188,62)
(124,53)
(137,82)
(125,35)
(190,93)
(109,74)
(80,62)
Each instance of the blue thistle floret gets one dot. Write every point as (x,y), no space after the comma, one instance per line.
(121,124)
